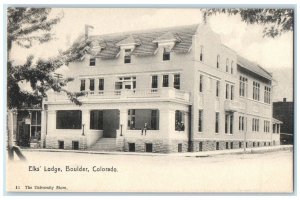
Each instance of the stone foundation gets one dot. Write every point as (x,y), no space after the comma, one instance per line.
(158,146)
(52,142)
(211,145)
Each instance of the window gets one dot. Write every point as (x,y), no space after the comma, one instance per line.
(93,62)
(177,81)
(217,146)
(231,145)
(68,119)
(227,91)
(200,121)
(240,144)
(241,123)
(201,84)
(229,122)
(75,145)
(179,147)
(232,92)
(218,61)
(82,85)
(140,118)
(101,84)
(154,81)
(166,55)
(217,122)
(127,57)
(179,120)
(92,84)
(266,126)
(227,146)
(243,86)
(131,147)
(154,119)
(36,125)
(231,68)
(131,119)
(227,65)
(255,125)
(201,53)
(118,85)
(267,94)
(256,90)
(149,147)
(165,81)
(217,88)
(61,144)
(96,120)
(200,146)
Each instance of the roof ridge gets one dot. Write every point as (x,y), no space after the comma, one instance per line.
(254,63)
(144,31)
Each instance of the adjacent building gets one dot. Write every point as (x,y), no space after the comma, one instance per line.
(165,90)
(284,111)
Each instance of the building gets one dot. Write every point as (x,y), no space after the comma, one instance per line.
(284,111)
(166,90)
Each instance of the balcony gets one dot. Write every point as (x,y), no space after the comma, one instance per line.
(153,93)
(231,105)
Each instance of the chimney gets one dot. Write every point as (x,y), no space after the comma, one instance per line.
(284,99)
(86,28)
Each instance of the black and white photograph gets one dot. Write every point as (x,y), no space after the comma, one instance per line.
(149,99)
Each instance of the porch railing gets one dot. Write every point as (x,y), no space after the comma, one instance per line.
(163,93)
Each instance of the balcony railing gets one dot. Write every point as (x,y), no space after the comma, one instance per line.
(160,93)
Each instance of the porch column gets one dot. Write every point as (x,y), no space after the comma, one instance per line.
(278,128)
(85,121)
(165,122)
(43,127)
(123,121)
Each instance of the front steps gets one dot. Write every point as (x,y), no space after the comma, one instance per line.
(104,144)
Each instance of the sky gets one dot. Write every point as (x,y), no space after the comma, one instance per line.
(274,54)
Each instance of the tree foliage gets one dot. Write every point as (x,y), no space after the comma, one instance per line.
(25,27)
(275,21)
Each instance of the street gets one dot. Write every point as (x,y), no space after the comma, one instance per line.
(70,172)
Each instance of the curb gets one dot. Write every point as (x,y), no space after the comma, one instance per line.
(188,154)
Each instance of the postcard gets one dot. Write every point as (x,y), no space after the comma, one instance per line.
(193,100)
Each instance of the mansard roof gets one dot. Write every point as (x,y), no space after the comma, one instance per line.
(146,38)
(169,36)
(253,67)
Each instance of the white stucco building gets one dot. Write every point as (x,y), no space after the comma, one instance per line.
(166,90)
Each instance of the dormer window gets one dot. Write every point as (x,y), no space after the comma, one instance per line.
(127,57)
(166,55)
(93,62)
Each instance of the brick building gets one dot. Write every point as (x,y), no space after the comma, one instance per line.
(165,90)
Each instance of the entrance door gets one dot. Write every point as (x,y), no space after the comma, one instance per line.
(111,123)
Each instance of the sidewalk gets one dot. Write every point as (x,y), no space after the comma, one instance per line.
(187,154)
